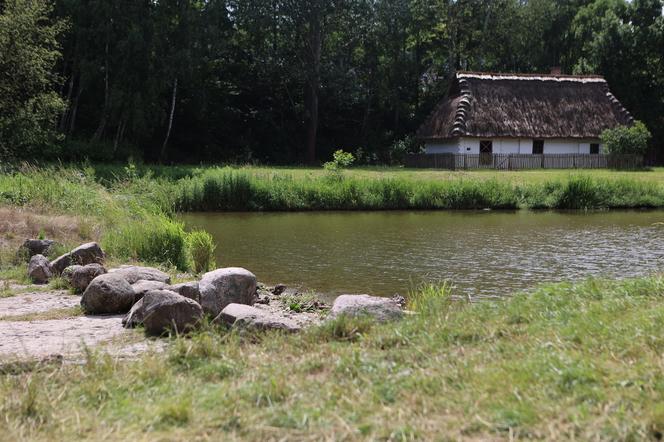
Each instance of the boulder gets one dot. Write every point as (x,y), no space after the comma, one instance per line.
(108,294)
(142,287)
(34,247)
(39,269)
(230,285)
(164,311)
(68,272)
(187,289)
(80,277)
(60,263)
(246,316)
(88,253)
(381,309)
(135,316)
(133,274)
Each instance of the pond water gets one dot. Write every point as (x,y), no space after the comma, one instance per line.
(482,253)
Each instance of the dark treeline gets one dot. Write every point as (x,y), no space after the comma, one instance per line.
(287,81)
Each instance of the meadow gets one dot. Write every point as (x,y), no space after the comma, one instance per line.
(567,361)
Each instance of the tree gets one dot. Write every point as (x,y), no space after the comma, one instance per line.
(627,140)
(29,103)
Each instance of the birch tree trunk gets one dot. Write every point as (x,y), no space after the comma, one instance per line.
(170,120)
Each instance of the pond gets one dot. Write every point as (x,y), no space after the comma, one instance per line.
(483,253)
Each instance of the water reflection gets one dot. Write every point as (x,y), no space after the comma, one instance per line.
(483,253)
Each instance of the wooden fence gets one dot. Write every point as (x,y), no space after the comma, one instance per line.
(454,161)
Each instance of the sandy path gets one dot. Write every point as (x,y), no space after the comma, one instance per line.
(63,336)
(37,302)
(67,337)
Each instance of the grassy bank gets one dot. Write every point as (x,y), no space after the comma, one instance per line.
(566,362)
(228,189)
(70,205)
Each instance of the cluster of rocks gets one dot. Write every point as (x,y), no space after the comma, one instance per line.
(148,298)
(41,270)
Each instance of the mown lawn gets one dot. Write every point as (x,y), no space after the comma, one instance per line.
(580,361)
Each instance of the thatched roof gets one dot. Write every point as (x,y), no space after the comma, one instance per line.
(528,106)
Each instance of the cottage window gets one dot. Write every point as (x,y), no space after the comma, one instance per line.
(594,148)
(538,147)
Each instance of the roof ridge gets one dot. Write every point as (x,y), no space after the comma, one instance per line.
(538,77)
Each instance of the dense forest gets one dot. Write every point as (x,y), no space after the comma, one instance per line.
(289,81)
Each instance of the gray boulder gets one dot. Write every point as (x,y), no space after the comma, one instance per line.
(246,316)
(381,309)
(133,274)
(68,272)
(59,264)
(187,289)
(142,287)
(32,247)
(165,311)
(88,253)
(226,286)
(39,269)
(108,294)
(135,316)
(79,277)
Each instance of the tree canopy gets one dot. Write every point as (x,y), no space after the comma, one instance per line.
(287,81)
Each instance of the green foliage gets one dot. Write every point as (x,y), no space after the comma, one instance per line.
(627,139)
(340,161)
(29,104)
(150,239)
(201,247)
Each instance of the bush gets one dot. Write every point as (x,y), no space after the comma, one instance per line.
(201,248)
(626,140)
(340,161)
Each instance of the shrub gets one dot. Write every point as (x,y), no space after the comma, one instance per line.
(201,248)
(624,140)
(340,161)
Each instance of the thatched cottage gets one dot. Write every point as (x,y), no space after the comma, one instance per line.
(518,113)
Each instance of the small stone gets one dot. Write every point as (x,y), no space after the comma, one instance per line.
(108,294)
(226,286)
(133,274)
(245,316)
(39,269)
(278,289)
(381,309)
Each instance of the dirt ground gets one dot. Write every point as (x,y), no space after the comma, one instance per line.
(23,337)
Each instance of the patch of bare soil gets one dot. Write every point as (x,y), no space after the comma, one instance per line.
(36,302)
(68,337)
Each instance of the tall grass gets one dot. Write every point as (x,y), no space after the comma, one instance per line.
(230,189)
